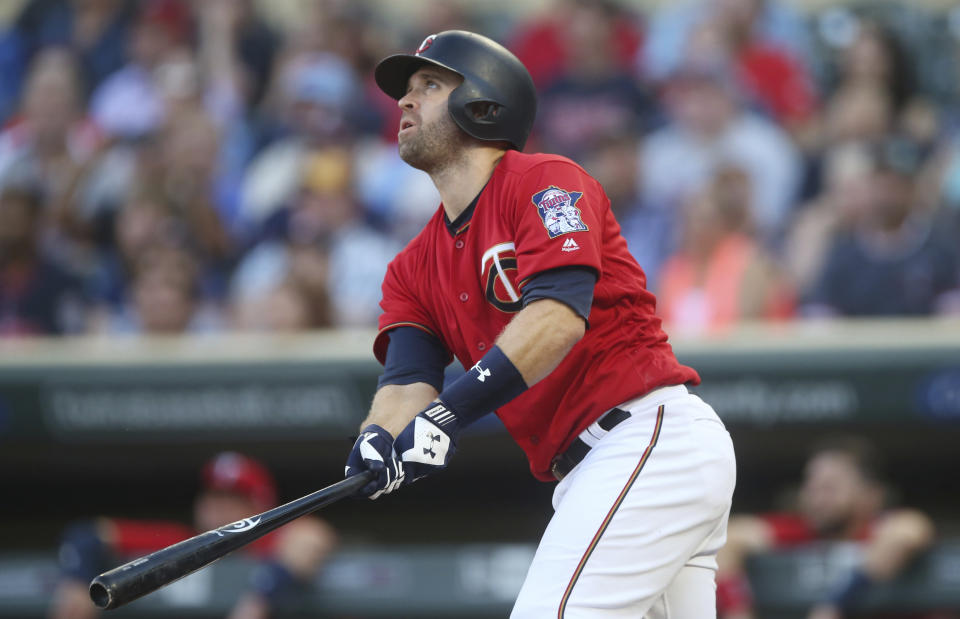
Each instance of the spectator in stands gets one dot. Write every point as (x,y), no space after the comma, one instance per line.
(324,246)
(851,114)
(149,188)
(37,296)
(544,47)
(872,94)
(878,59)
(651,233)
(163,296)
(167,84)
(309,106)
(848,172)
(191,155)
(144,218)
(721,274)
(771,79)
(592,95)
(237,46)
(861,113)
(50,140)
(380,171)
(129,104)
(709,127)
(842,499)
(768,24)
(284,308)
(893,261)
(232,69)
(189,145)
(95,31)
(234,487)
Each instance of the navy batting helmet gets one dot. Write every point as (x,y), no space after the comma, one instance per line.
(491,74)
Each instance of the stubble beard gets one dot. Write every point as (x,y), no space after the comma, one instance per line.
(435,146)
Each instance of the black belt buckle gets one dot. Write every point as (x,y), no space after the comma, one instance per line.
(563,463)
(560,466)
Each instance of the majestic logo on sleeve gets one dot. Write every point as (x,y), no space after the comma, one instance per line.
(498,268)
(558,210)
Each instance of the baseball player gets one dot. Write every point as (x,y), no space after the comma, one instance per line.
(234,486)
(523,275)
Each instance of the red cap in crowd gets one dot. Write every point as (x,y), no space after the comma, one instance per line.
(234,472)
(172,15)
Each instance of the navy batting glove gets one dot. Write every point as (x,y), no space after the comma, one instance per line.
(374,451)
(428,442)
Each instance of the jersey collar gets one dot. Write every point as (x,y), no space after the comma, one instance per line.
(462,222)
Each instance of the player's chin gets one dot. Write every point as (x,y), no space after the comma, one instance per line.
(409,152)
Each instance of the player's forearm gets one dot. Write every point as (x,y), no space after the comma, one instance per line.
(539,337)
(898,538)
(395,405)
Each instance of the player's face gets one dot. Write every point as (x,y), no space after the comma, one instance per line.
(428,137)
(214,509)
(831,493)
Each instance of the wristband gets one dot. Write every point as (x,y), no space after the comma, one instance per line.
(487,386)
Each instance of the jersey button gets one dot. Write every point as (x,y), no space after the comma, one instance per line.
(481,346)
(459,244)
(464,296)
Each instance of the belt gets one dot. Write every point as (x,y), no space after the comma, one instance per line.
(563,463)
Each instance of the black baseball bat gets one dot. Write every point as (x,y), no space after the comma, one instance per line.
(147,574)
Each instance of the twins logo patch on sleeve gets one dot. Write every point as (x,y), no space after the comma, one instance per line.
(558,210)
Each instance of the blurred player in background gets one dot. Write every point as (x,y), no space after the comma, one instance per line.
(234,487)
(842,499)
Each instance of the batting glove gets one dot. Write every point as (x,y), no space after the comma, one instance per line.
(374,451)
(427,443)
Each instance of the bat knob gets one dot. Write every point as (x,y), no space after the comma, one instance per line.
(100,594)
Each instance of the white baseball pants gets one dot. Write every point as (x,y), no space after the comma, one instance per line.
(637,524)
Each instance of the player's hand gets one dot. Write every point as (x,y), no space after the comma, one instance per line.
(427,443)
(374,451)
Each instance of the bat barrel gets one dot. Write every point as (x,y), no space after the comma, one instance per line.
(147,574)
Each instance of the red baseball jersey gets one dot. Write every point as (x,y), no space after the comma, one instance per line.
(537,212)
(790,529)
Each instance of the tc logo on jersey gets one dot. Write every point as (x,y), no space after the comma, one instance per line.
(558,210)
(498,268)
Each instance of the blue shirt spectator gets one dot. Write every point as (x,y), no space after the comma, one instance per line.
(894,261)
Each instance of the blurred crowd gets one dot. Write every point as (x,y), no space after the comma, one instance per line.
(170,166)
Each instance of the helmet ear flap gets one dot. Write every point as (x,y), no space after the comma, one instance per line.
(476,114)
(485,112)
